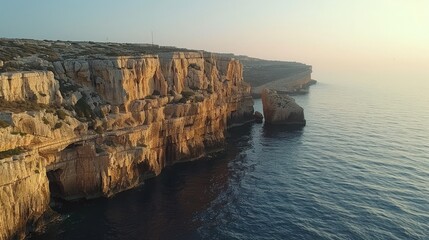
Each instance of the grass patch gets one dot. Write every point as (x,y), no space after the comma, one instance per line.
(188,93)
(4,124)
(61,114)
(11,152)
(83,109)
(66,87)
(194,66)
(151,97)
(99,130)
(17,107)
(45,120)
(18,133)
(58,125)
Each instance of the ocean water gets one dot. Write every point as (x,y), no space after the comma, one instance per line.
(358,170)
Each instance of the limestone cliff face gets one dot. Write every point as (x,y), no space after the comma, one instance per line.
(281,109)
(24,194)
(36,86)
(123,120)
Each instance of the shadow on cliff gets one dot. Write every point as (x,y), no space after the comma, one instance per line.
(178,199)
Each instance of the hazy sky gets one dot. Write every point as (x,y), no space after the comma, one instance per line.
(386,38)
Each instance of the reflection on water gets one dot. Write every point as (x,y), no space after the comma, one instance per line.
(281,132)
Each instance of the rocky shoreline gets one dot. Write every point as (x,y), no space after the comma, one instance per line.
(82,120)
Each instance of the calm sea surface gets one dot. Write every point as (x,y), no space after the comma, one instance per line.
(358,170)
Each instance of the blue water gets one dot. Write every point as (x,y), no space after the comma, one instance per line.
(358,170)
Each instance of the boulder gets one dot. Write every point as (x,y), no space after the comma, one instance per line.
(258,117)
(281,109)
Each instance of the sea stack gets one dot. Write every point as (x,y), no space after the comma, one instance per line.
(281,109)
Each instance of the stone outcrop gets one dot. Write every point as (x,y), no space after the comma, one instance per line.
(258,117)
(35,86)
(122,120)
(281,109)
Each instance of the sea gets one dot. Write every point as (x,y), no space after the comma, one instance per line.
(358,170)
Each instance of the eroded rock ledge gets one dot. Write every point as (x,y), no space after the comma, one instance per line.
(98,126)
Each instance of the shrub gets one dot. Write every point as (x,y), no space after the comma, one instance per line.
(21,106)
(45,120)
(199,98)
(194,66)
(210,89)
(99,130)
(49,110)
(150,97)
(188,93)
(61,114)
(183,100)
(20,133)
(66,87)
(11,152)
(98,150)
(58,125)
(67,107)
(83,109)
(4,124)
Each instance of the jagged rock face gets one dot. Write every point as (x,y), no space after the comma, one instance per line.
(24,194)
(36,86)
(153,111)
(281,109)
(125,79)
(168,132)
(36,128)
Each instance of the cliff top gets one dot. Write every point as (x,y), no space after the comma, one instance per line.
(29,54)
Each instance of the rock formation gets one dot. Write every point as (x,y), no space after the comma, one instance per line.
(96,126)
(258,117)
(36,86)
(281,109)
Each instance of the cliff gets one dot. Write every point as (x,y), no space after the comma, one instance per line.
(94,126)
(39,87)
(282,76)
(295,83)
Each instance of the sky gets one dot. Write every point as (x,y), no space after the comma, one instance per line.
(346,38)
